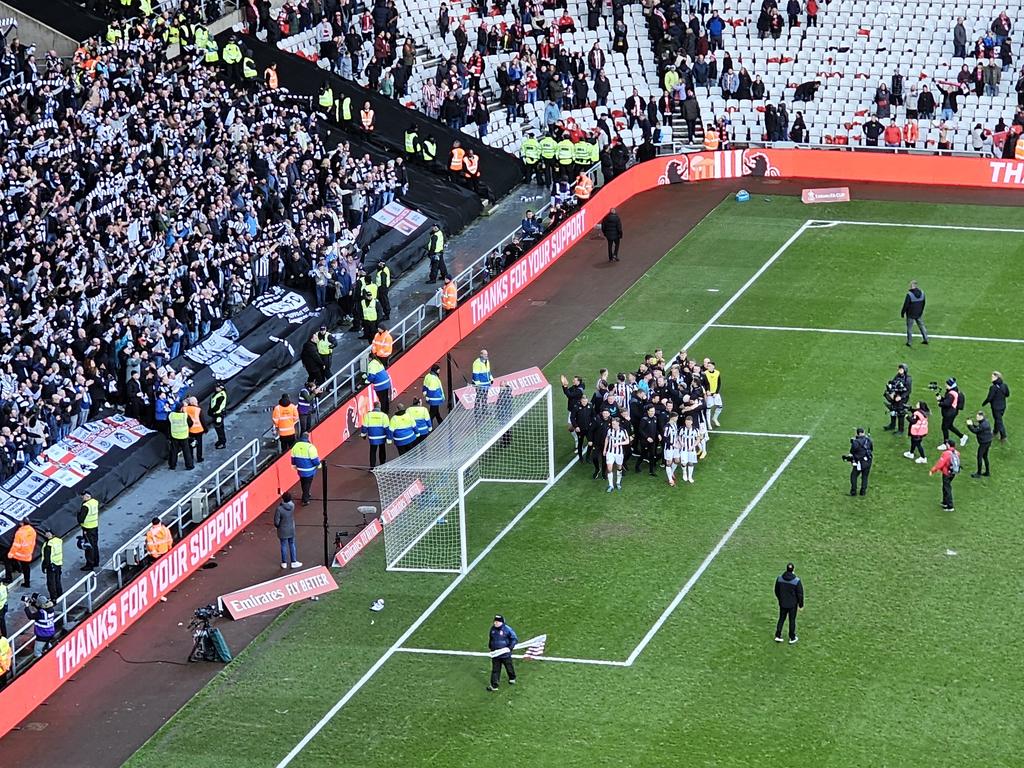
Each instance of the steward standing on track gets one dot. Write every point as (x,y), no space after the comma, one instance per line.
(306,461)
(89,519)
(502,638)
(789,591)
(383,344)
(376,429)
(422,418)
(20,553)
(433,393)
(403,430)
(218,406)
(482,378)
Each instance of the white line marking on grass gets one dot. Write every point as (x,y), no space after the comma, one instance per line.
(850,332)
(416,624)
(561,659)
(743,288)
(717,431)
(714,552)
(899,225)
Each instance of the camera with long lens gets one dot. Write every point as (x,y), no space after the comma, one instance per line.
(207,613)
(895,396)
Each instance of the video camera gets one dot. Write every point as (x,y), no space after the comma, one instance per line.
(35,600)
(207,613)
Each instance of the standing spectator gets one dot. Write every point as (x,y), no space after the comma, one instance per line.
(949,465)
(925,104)
(812,13)
(789,591)
(1001,27)
(872,131)
(882,102)
(743,90)
(715,27)
(798,133)
(993,76)
(959,39)
(793,11)
(892,134)
(910,134)
(996,398)
(611,228)
(284,522)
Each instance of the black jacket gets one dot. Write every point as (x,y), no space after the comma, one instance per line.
(997,394)
(862,449)
(611,227)
(583,419)
(913,304)
(982,430)
(789,591)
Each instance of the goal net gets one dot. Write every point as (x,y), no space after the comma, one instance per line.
(504,437)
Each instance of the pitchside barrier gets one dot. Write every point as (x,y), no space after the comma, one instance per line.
(96,632)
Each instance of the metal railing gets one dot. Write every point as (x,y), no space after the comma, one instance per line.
(195,506)
(682,148)
(23,638)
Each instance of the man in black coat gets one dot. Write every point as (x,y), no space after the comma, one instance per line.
(913,311)
(983,433)
(598,431)
(581,422)
(611,228)
(789,591)
(860,456)
(647,440)
(996,397)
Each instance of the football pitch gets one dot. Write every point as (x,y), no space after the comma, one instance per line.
(657,602)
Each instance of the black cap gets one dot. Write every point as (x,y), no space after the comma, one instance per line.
(790,567)
(860,430)
(499,617)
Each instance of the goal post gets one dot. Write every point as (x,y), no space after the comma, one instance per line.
(500,435)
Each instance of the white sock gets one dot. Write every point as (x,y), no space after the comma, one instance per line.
(618,477)
(611,478)
(670,470)
(689,472)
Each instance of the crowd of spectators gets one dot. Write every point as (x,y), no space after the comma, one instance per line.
(142,202)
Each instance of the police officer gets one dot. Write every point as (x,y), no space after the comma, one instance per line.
(428,152)
(53,561)
(325,99)
(232,58)
(306,461)
(983,433)
(548,150)
(897,396)
(218,407)
(581,156)
(376,429)
(370,308)
(996,397)
(382,279)
(502,638)
(860,456)
(89,520)
(435,252)
(433,393)
(789,591)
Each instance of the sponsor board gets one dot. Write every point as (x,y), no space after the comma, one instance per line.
(403,500)
(520,382)
(826,195)
(354,547)
(278,593)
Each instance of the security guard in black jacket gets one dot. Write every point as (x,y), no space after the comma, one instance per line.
(996,397)
(581,420)
(598,432)
(860,456)
(789,591)
(647,440)
(983,434)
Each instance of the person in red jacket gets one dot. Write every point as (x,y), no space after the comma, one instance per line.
(949,465)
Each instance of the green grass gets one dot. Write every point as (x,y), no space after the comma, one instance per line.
(907,654)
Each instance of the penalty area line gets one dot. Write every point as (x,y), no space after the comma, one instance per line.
(560,659)
(714,552)
(851,332)
(419,622)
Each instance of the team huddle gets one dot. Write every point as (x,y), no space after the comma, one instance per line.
(661,414)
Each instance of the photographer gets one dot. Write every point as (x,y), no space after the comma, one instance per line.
(951,402)
(918,432)
(897,395)
(39,610)
(860,456)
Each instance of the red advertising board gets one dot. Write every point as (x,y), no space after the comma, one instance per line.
(277,593)
(354,547)
(396,507)
(96,632)
(520,382)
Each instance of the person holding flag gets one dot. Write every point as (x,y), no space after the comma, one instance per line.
(501,643)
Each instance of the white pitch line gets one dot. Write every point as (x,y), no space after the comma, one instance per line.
(900,225)
(714,552)
(743,289)
(850,332)
(562,659)
(717,431)
(416,624)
